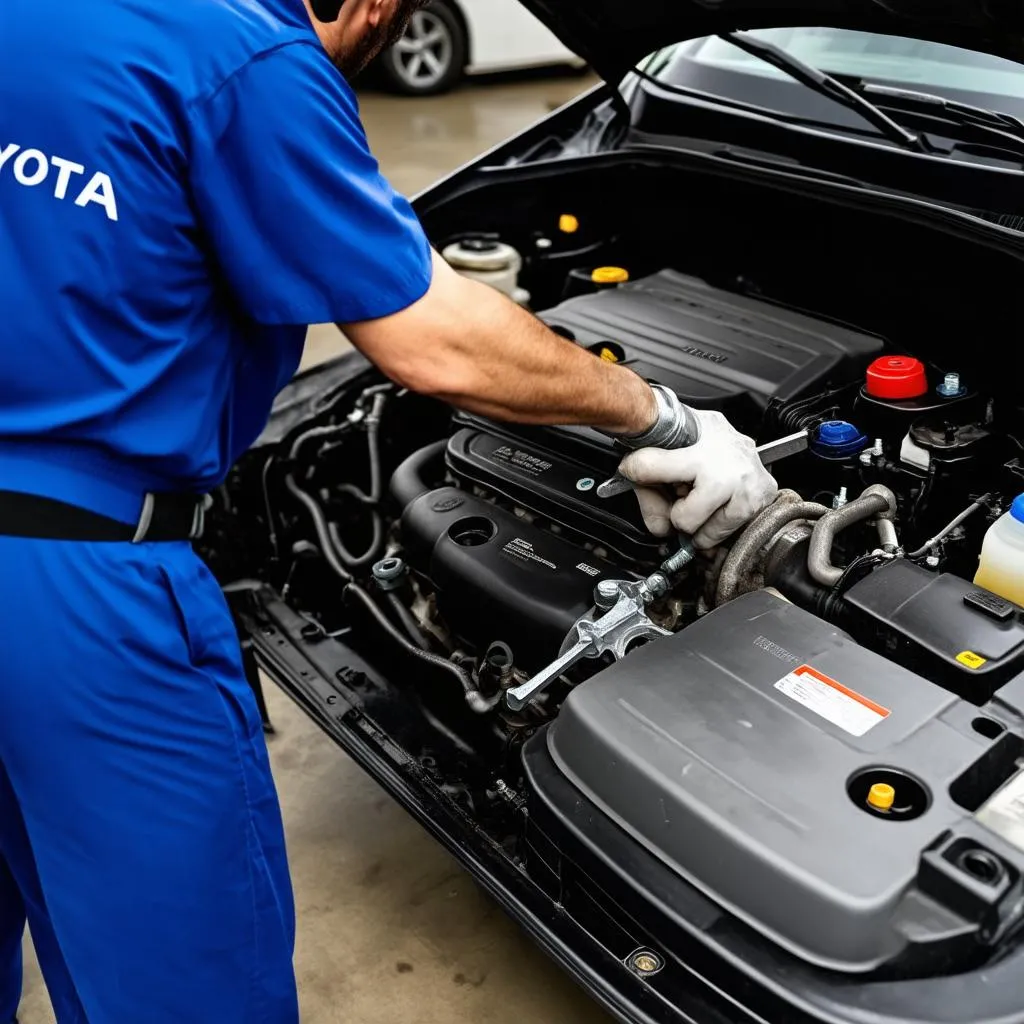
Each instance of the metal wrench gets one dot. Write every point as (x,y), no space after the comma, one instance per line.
(768,452)
(624,622)
(625,602)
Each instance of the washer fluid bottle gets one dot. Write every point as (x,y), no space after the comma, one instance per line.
(1001,566)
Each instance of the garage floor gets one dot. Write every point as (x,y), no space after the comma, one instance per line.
(390,928)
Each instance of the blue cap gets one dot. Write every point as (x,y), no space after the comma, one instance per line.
(837,439)
(1017,508)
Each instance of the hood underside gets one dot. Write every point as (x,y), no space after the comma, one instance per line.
(614,35)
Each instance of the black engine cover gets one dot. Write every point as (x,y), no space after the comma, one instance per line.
(498,577)
(716,349)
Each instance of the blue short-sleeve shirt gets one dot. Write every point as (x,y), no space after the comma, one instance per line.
(183,188)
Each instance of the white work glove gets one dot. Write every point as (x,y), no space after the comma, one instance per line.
(719,483)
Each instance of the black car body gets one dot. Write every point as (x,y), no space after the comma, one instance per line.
(694,830)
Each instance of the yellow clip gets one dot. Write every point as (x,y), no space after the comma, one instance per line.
(609,275)
(609,356)
(970,659)
(568,224)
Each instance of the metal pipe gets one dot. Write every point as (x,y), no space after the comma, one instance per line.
(876,500)
(787,507)
(950,527)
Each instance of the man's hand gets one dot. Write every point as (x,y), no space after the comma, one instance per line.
(720,483)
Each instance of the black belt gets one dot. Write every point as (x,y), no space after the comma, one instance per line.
(164,517)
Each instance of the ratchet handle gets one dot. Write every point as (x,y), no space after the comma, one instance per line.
(770,452)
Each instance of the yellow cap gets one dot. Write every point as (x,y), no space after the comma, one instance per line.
(609,275)
(568,224)
(881,796)
(608,355)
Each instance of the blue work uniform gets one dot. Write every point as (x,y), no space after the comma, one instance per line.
(183,187)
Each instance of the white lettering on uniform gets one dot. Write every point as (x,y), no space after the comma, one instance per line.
(7,152)
(99,190)
(65,169)
(32,167)
(39,173)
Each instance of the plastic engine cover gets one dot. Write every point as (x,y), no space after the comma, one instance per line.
(716,349)
(728,751)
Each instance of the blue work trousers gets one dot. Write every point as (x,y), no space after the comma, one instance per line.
(140,832)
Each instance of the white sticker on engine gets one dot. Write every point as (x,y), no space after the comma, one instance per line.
(836,703)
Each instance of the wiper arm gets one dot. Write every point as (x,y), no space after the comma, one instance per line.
(825,85)
(1004,127)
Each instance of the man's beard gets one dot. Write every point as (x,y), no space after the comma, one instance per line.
(384,35)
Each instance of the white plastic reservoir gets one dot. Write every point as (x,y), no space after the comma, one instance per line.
(1001,566)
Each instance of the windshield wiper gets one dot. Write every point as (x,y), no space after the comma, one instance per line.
(826,85)
(991,126)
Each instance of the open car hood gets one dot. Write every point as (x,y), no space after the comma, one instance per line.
(613,35)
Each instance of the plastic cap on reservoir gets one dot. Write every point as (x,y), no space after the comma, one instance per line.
(896,378)
(1017,508)
(881,796)
(836,439)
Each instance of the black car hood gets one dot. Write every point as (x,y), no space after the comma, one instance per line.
(614,34)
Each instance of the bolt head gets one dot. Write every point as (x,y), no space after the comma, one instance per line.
(647,963)
(951,386)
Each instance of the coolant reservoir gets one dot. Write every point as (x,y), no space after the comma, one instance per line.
(489,261)
(1001,567)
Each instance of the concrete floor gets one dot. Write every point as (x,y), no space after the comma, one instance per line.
(391,930)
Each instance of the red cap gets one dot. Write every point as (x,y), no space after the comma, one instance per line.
(896,377)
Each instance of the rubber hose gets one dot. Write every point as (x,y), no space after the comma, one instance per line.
(357,561)
(409,480)
(373,450)
(474,698)
(405,617)
(875,501)
(321,526)
(787,507)
(315,432)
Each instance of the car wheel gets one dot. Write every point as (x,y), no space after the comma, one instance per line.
(431,55)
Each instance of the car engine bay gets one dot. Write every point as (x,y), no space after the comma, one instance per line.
(823,728)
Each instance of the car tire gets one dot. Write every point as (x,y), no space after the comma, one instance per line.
(430,57)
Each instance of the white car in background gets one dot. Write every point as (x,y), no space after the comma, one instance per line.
(452,38)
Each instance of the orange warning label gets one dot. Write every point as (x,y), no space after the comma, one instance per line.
(838,704)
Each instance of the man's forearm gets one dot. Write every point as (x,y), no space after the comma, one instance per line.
(471,346)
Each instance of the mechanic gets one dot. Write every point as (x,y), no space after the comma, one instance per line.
(183,188)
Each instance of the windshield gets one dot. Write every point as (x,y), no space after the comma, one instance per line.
(911,63)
